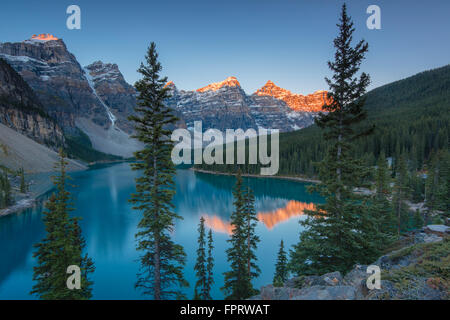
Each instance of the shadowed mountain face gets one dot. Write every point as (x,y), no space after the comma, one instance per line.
(116,93)
(21,110)
(58,80)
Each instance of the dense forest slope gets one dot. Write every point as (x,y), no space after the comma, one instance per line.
(411,117)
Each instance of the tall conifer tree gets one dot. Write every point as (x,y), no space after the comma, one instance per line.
(236,285)
(204,264)
(251,239)
(281,271)
(334,237)
(382,207)
(200,265)
(62,246)
(209,265)
(381,227)
(400,195)
(162,260)
(23,185)
(437,195)
(5,190)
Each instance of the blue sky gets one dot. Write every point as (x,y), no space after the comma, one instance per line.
(286,41)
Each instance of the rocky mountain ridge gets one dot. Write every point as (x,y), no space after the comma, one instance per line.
(225,105)
(112,88)
(57,78)
(97,100)
(309,103)
(68,92)
(21,110)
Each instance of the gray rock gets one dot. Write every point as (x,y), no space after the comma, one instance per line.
(309,281)
(332,278)
(357,278)
(30,121)
(387,291)
(295,282)
(413,288)
(438,228)
(328,279)
(395,260)
(327,293)
(277,293)
(431,238)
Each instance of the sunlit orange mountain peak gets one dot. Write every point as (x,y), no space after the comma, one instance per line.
(310,103)
(169,84)
(44,37)
(229,82)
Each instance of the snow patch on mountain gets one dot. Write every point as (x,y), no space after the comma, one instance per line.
(92,86)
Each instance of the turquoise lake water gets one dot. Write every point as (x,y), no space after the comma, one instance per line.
(109,224)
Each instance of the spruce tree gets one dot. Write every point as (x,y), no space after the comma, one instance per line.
(400,195)
(445,194)
(381,208)
(235,282)
(209,266)
(418,220)
(379,226)
(200,265)
(2,198)
(334,237)
(281,271)
(162,260)
(2,192)
(436,185)
(62,246)
(251,239)
(23,185)
(5,190)
(204,264)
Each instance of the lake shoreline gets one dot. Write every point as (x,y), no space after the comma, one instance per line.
(43,186)
(299,179)
(39,183)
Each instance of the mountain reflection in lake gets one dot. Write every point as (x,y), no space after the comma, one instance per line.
(109,225)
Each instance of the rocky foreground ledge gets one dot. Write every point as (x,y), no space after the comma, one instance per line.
(419,270)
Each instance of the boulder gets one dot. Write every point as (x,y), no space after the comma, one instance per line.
(412,288)
(438,229)
(295,282)
(327,293)
(276,293)
(327,279)
(357,278)
(332,278)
